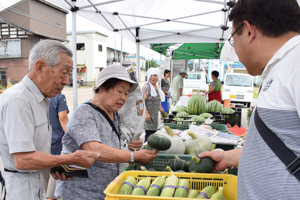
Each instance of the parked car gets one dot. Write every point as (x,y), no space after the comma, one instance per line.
(194,81)
(238,88)
(79,81)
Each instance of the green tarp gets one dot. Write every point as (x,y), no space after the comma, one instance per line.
(191,50)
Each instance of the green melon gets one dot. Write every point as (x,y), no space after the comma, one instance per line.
(182,114)
(196,104)
(227,111)
(214,106)
(206,115)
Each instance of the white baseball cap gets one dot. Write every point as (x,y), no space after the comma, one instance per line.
(115,71)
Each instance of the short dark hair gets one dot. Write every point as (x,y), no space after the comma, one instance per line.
(109,83)
(215,73)
(273,18)
(166,72)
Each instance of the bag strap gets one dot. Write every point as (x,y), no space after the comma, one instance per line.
(288,157)
(106,117)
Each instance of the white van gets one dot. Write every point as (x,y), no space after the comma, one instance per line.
(194,81)
(238,88)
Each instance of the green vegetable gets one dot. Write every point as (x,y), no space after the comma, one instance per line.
(214,106)
(178,164)
(218,195)
(227,111)
(206,193)
(182,114)
(203,165)
(142,187)
(177,144)
(197,144)
(170,186)
(182,188)
(196,104)
(156,186)
(127,186)
(159,142)
(192,194)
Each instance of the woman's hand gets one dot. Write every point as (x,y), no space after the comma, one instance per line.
(135,145)
(148,118)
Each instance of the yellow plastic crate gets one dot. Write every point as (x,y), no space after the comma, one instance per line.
(198,181)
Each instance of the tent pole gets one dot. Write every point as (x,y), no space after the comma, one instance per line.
(121,51)
(138,61)
(74,49)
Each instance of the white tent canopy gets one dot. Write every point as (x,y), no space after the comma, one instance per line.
(157,21)
(154,21)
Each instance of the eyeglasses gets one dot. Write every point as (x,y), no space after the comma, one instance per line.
(230,40)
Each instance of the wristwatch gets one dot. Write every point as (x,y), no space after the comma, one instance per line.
(131,157)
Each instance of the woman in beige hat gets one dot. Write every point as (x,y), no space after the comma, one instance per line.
(94,126)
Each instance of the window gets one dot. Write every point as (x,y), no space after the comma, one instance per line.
(239,80)
(2,75)
(13,48)
(80,46)
(100,47)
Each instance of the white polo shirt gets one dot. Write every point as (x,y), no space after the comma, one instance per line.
(261,174)
(24,122)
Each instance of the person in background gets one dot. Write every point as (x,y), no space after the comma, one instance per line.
(25,131)
(177,86)
(152,99)
(214,91)
(94,126)
(58,114)
(2,182)
(265,36)
(165,87)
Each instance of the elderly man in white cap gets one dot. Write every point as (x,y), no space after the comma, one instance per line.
(94,126)
(177,86)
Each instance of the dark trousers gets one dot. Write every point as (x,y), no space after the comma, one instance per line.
(148,133)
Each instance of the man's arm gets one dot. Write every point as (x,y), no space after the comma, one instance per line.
(180,92)
(37,160)
(63,119)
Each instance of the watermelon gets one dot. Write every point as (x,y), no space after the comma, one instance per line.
(206,115)
(227,111)
(181,109)
(196,104)
(198,118)
(214,106)
(182,114)
(238,131)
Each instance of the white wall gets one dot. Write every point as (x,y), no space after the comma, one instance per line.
(91,57)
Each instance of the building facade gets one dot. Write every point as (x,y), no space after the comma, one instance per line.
(23,25)
(91,54)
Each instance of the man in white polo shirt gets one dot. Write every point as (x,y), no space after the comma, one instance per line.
(25,131)
(266,40)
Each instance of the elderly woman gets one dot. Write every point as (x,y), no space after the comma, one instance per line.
(94,126)
(152,98)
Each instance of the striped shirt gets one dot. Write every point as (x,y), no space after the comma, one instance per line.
(262,175)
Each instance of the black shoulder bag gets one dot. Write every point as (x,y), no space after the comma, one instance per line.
(288,157)
(106,117)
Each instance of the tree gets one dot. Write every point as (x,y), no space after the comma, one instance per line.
(152,63)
